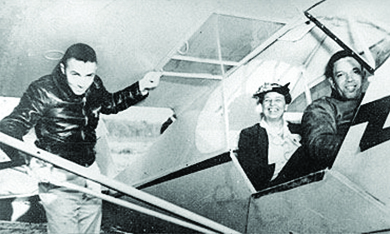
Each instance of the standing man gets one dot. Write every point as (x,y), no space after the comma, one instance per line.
(326,121)
(64,109)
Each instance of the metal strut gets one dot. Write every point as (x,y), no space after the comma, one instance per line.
(198,221)
(340,42)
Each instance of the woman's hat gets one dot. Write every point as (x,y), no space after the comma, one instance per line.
(273,87)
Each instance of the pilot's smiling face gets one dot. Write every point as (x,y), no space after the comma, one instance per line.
(348,77)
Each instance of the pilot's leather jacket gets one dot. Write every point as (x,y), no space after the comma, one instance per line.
(325,123)
(65,123)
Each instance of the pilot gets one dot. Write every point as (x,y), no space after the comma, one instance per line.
(325,122)
(265,147)
(64,109)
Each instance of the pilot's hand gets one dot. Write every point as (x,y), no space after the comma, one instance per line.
(150,81)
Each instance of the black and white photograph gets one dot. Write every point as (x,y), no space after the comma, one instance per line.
(194,116)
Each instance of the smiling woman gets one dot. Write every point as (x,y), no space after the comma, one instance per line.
(264,148)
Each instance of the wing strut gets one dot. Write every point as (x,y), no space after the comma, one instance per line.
(199,220)
(135,207)
(340,42)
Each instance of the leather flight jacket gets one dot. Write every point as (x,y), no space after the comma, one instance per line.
(65,123)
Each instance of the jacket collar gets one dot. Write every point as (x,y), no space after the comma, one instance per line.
(65,91)
(338,96)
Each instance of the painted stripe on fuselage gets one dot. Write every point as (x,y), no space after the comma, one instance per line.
(206,164)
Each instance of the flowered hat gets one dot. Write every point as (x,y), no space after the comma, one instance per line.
(273,87)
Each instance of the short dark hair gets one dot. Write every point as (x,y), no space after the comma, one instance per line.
(79,51)
(335,57)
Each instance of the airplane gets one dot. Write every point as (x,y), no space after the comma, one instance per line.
(208,80)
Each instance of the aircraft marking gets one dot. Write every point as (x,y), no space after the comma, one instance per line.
(376,114)
(211,162)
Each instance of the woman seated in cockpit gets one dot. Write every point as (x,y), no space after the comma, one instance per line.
(264,148)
